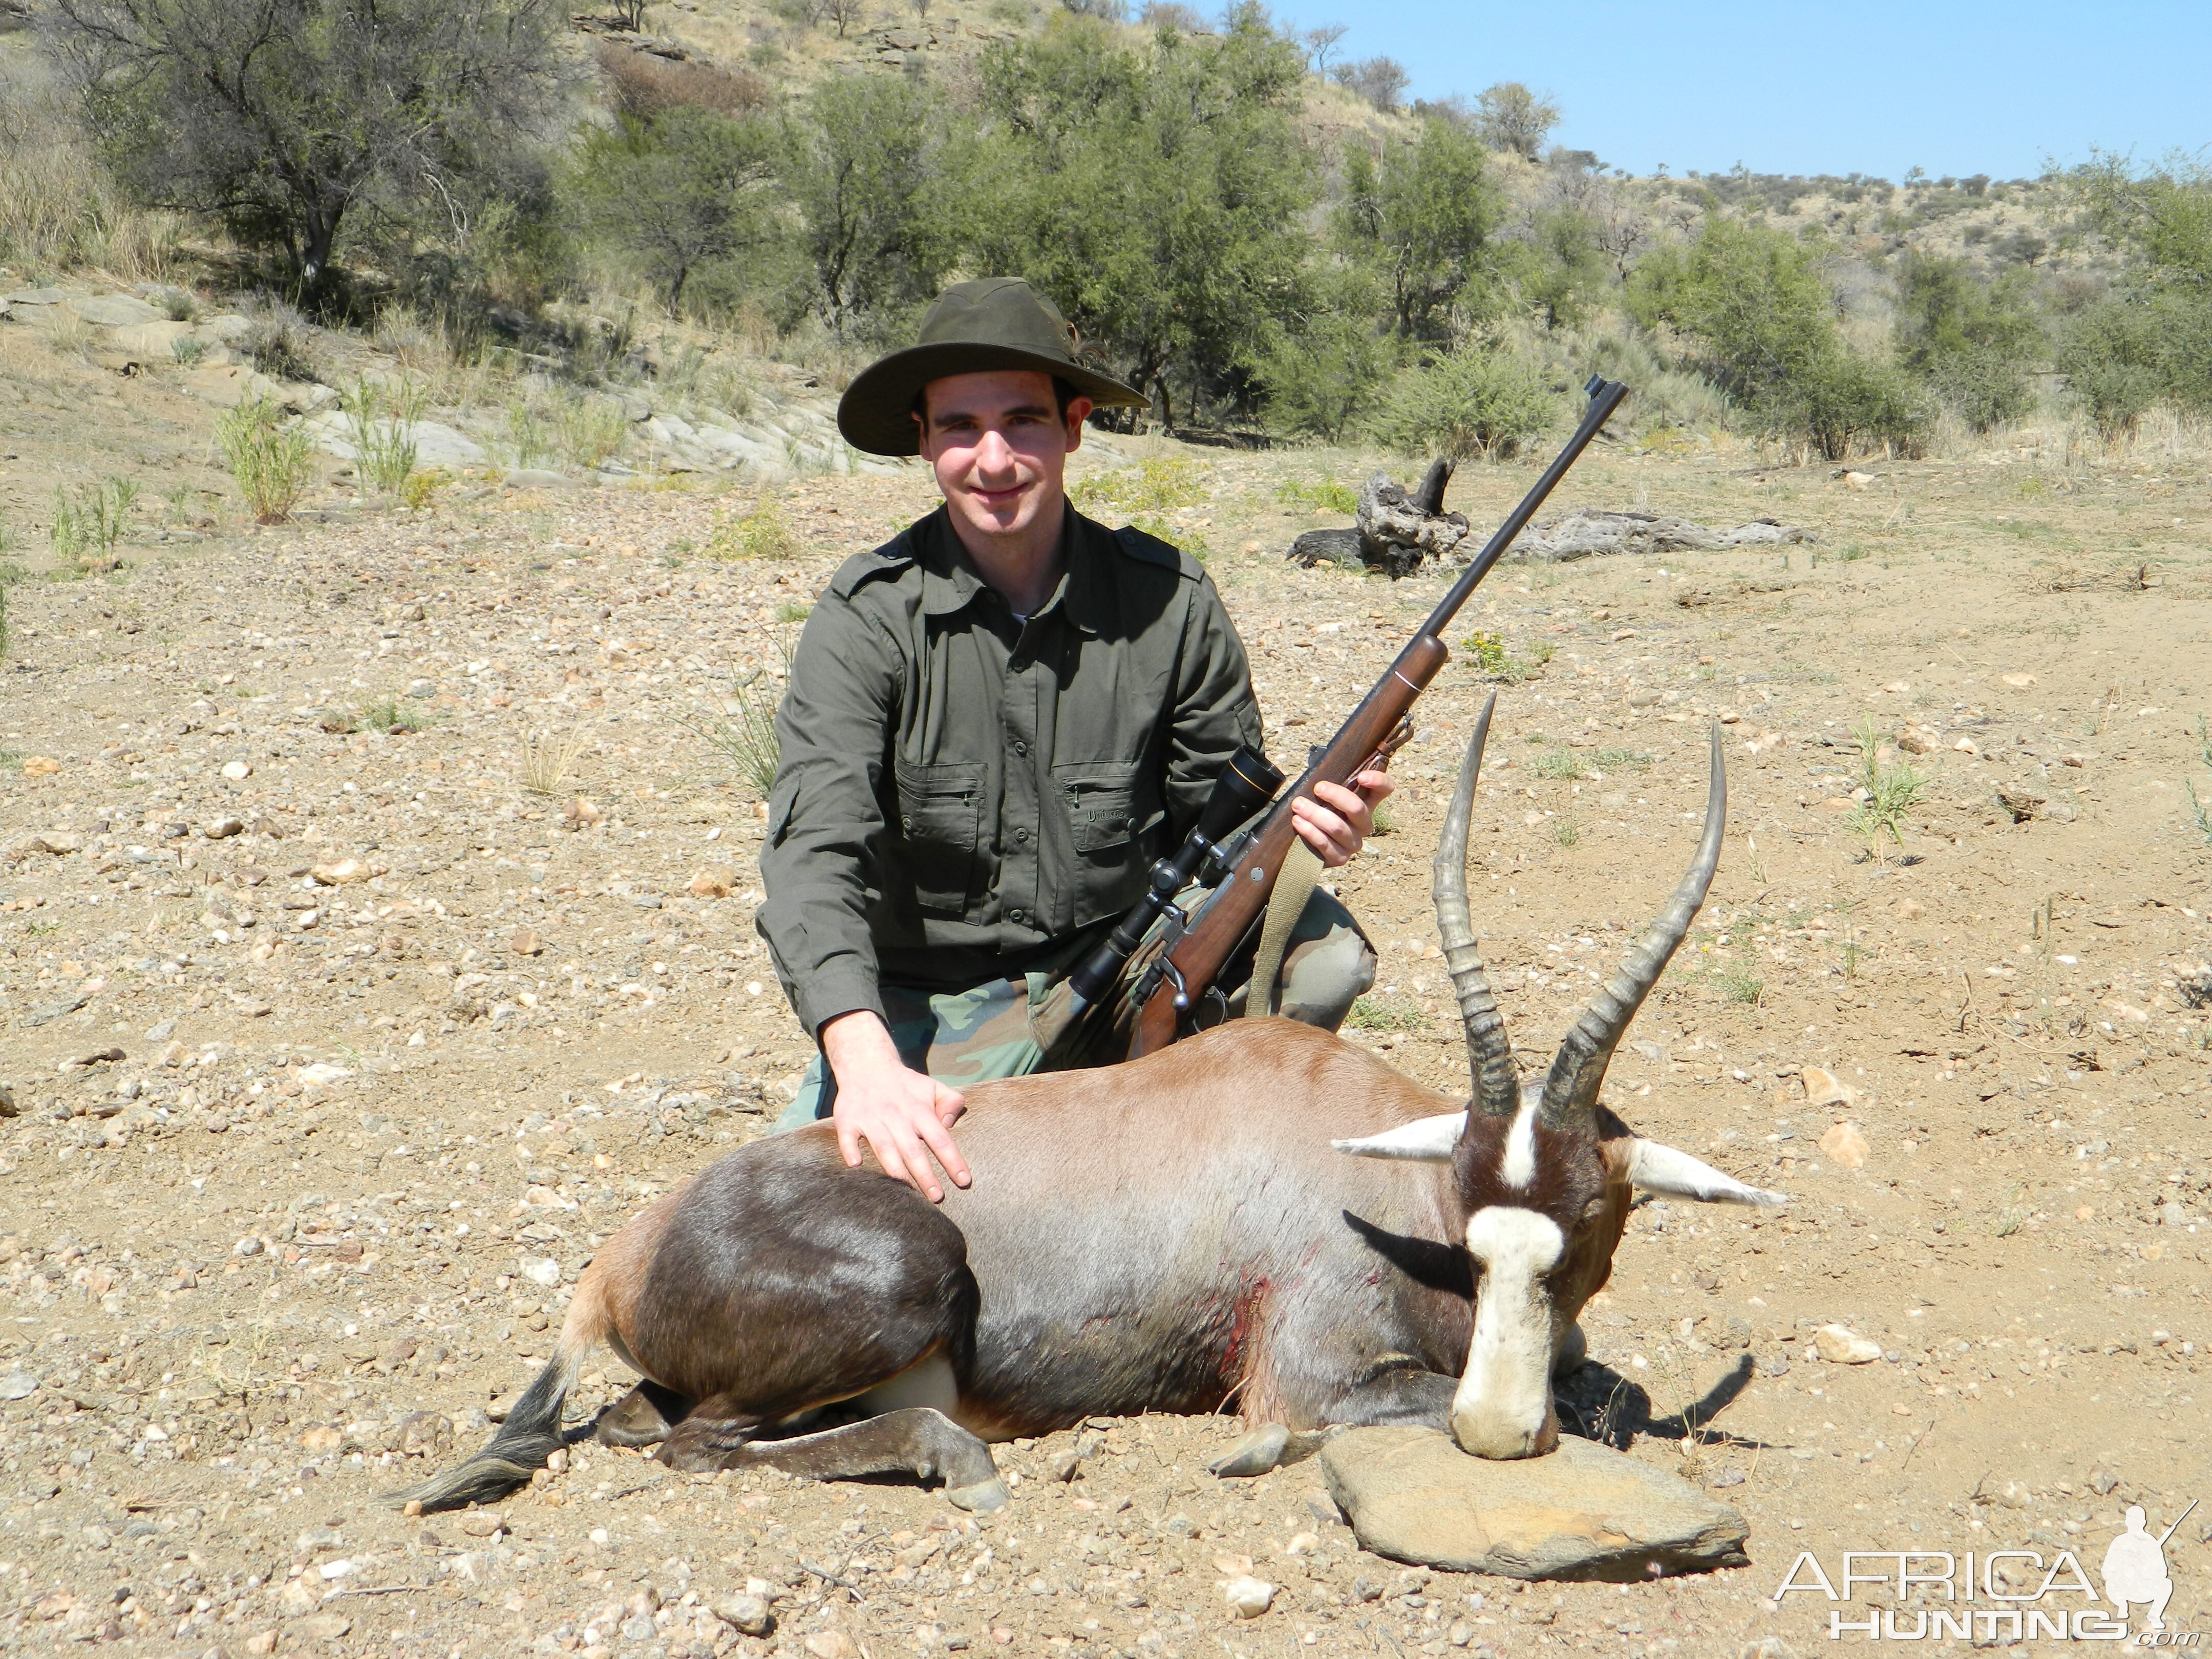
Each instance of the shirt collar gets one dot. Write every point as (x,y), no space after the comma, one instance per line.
(950,584)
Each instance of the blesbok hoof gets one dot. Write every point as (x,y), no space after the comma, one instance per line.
(981,1497)
(1255,1454)
(644,1416)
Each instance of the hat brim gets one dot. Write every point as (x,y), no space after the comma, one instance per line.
(876,414)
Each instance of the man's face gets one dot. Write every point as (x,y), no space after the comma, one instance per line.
(1000,446)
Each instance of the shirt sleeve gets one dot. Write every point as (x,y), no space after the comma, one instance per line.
(1215,711)
(826,826)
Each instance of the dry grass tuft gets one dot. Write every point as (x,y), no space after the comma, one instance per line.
(546,761)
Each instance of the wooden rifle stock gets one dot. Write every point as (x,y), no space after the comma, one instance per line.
(1376,729)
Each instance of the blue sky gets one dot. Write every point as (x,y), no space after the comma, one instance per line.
(1877,88)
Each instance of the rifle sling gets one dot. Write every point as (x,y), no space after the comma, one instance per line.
(1294,884)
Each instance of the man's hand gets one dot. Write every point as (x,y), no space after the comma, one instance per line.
(1337,821)
(903,1116)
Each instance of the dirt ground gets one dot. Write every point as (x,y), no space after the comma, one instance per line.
(299,1169)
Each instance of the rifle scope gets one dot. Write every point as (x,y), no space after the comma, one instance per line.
(1246,785)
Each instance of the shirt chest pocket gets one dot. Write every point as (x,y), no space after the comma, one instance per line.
(1113,813)
(940,820)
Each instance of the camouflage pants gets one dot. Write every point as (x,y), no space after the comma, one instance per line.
(977,1035)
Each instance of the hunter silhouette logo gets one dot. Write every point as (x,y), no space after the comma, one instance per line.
(2003,1596)
(2135,1567)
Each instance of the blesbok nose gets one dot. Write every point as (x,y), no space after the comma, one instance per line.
(1503,1406)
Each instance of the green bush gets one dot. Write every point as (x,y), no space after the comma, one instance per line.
(381,419)
(87,526)
(1477,400)
(1845,402)
(272,463)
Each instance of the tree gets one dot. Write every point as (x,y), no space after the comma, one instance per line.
(672,196)
(1512,118)
(2152,336)
(1559,265)
(282,118)
(1321,368)
(1322,43)
(1969,340)
(1763,323)
(1378,80)
(1155,192)
(1424,213)
(863,162)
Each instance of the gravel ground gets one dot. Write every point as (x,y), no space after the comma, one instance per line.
(337,1049)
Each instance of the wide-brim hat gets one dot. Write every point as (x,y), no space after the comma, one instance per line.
(994,322)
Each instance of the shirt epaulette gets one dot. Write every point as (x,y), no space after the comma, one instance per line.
(893,556)
(1152,550)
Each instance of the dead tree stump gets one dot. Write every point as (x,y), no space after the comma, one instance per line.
(1396,528)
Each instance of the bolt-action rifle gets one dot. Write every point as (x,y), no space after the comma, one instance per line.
(1240,867)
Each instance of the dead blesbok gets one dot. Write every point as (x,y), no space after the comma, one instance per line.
(1171,1234)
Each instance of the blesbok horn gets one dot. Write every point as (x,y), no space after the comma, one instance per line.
(1578,1070)
(1490,1056)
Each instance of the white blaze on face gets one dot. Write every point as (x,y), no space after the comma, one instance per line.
(1503,1407)
(1520,1161)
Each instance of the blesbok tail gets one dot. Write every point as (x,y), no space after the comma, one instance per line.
(531,1432)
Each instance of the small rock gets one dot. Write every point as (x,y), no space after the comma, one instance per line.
(18,1385)
(1248,1597)
(222,828)
(831,1644)
(1841,1346)
(323,1626)
(1911,909)
(713,884)
(162,1030)
(1844,1147)
(1825,1088)
(1585,1510)
(531,477)
(2018,682)
(2022,801)
(482,1523)
(581,814)
(750,1614)
(7,1101)
(425,1431)
(547,1273)
(237,771)
(2171,1214)
(249,1246)
(526,944)
(1919,740)
(57,841)
(42,766)
(296,1599)
(323,1074)
(1966,746)
(339,873)
(2103,1481)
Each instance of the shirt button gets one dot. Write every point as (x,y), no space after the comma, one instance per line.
(1016,917)
(1023,836)
(1021,749)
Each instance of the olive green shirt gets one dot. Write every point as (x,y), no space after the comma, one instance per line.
(961,794)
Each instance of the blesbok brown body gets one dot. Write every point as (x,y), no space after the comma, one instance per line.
(1178,1234)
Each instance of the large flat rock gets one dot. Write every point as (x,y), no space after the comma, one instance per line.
(1586,1511)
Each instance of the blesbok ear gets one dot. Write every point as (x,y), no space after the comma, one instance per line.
(1656,1168)
(1425,1141)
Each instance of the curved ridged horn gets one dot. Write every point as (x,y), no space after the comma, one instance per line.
(1496,1079)
(1578,1070)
